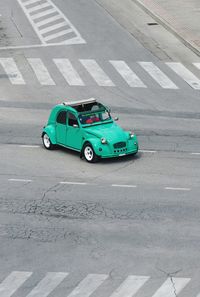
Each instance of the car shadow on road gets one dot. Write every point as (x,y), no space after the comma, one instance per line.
(103,161)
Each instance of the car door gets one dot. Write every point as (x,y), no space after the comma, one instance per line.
(61,127)
(74,132)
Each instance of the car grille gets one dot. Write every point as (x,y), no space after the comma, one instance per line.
(119,145)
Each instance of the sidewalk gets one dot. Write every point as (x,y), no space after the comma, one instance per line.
(181,17)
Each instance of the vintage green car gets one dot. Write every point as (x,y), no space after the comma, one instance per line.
(86,126)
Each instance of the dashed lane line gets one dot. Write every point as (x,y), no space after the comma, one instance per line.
(92,184)
(73,183)
(124,186)
(177,189)
(19,180)
(29,146)
(147,151)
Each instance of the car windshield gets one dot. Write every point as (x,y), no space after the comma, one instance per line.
(94,117)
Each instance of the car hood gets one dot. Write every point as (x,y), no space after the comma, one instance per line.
(111,131)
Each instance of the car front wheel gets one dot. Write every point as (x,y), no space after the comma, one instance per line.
(47,142)
(89,154)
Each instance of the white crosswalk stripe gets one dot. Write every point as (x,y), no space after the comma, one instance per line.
(92,283)
(128,75)
(130,286)
(88,285)
(158,75)
(41,72)
(29,2)
(171,287)
(47,284)
(68,72)
(39,7)
(12,71)
(45,12)
(197,65)
(97,73)
(73,78)
(13,282)
(185,74)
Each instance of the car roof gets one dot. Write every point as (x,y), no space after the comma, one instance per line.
(80,102)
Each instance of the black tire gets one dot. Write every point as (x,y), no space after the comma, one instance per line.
(47,142)
(89,153)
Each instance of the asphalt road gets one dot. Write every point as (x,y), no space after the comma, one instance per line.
(122,227)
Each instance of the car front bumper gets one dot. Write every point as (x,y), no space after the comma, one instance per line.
(108,150)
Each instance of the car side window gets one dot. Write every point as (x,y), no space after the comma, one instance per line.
(61,118)
(72,120)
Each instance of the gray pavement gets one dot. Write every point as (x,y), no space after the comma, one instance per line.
(121,227)
(180,16)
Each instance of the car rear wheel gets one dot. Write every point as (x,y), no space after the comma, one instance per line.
(47,142)
(89,154)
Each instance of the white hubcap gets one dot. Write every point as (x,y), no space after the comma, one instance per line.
(46,141)
(88,152)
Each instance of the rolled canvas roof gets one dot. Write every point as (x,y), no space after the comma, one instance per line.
(80,102)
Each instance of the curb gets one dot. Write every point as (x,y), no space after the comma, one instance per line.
(167,26)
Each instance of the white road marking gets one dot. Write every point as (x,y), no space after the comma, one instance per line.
(53,27)
(97,72)
(128,75)
(28,2)
(130,286)
(147,151)
(48,20)
(29,146)
(170,286)
(88,285)
(124,186)
(20,180)
(56,35)
(38,7)
(185,74)
(42,14)
(68,71)
(12,71)
(45,13)
(73,183)
(197,65)
(194,153)
(41,71)
(177,189)
(161,78)
(10,285)
(47,284)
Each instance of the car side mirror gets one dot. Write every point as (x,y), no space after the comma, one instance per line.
(75,126)
(116,118)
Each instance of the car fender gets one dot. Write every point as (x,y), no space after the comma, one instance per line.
(95,142)
(51,132)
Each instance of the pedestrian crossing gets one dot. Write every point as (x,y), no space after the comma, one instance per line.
(49,22)
(112,73)
(127,287)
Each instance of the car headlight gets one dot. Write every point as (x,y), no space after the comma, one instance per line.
(103,140)
(131,134)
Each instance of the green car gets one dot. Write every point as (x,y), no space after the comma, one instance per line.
(87,127)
